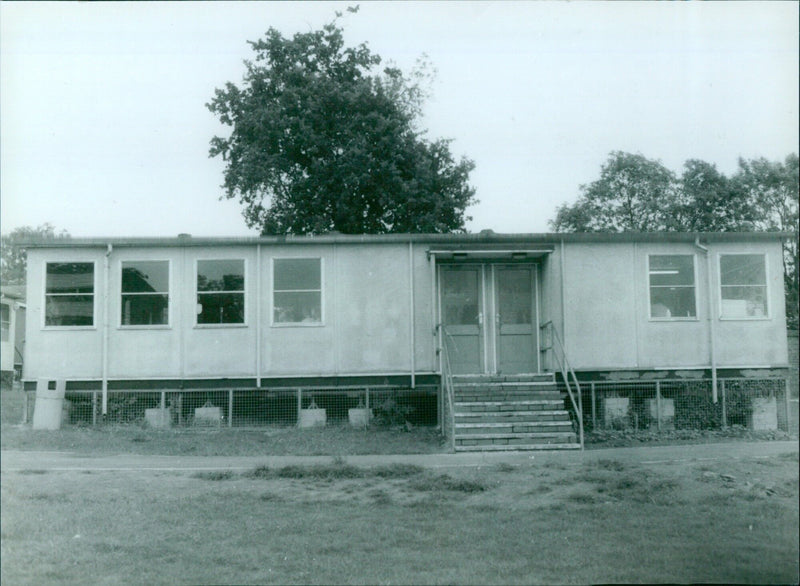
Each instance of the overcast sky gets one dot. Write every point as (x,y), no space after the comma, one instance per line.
(104,129)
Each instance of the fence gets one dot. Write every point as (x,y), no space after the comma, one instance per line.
(248,407)
(759,404)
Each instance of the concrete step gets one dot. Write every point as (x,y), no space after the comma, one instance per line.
(494,387)
(501,378)
(516,447)
(507,406)
(512,430)
(502,434)
(486,396)
(511,417)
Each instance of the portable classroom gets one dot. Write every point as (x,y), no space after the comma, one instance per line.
(335,308)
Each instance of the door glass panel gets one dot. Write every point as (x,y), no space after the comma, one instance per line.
(514,296)
(460,297)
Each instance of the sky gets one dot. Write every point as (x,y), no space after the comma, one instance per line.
(104,129)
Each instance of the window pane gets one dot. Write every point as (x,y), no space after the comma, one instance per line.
(743,269)
(460,297)
(5,322)
(71,277)
(672,302)
(140,310)
(298,307)
(221,308)
(293,274)
(744,301)
(145,276)
(514,296)
(220,275)
(672,270)
(69,310)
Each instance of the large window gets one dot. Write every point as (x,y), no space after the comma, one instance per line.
(743,280)
(297,291)
(145,293)
(220,291)
(672,293)
(5,322)
(69,294)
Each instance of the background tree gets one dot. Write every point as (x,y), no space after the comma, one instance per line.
(708,201)
(14,260)
(637,194)
(322,139)
(632,194)
(773,189)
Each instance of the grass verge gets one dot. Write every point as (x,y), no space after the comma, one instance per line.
(336,523)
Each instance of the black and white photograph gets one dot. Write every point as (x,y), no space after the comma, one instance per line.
(399,292)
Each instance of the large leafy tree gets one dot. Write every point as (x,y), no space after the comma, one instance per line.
(773,189)
(637,194)
(323,140)
(14,259)
(633,193)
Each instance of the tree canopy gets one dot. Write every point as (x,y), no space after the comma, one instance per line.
(14,260)
(634,193)
(324,140)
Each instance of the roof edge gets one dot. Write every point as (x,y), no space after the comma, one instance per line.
(485,236)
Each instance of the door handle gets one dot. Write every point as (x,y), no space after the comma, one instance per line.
(480,318)
(498,321)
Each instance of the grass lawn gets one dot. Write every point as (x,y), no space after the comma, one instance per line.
(537,523)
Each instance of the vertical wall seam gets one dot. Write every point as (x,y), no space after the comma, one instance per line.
(412,313)
(106,284)
(258,302)
(637,304)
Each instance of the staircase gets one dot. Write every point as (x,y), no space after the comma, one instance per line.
(510,412)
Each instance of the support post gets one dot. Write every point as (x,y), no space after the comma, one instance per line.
(94,408)
(299,403)
(786,388)
(230,407)
(25,406)
(594,409)
(724,405)
(163,400)
(658,403)
(367,398)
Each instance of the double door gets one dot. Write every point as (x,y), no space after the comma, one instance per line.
(489,314)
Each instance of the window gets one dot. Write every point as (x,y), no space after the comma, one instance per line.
(743,280)
(220,291)
(69,294)
(145,293)
(672,294)
(5,322)
(297,291)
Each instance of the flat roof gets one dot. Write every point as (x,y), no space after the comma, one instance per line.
(484,237)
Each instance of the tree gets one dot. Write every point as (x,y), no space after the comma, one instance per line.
(773,188)
(632,194)
(322,141)
(708,201)
(637,194)
(14,259)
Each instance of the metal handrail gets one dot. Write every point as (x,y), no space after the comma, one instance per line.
(447,382)
(560,356)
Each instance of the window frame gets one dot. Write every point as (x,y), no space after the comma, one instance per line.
(5,324)
(243,292)
(122,293)
(45,294)
(696,316)
(765,317)
(315,324)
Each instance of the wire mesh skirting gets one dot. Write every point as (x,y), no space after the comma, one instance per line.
(251,407)
(759,404)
